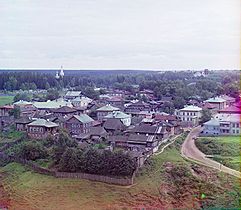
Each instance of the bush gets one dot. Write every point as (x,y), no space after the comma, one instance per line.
(94,161)
(29,150)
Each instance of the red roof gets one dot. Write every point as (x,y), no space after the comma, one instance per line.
(231,110)
(165,117)
(209,106)
(7,107)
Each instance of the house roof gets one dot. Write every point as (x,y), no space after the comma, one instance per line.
(215,100)
(228,98)
(147,120)
(147,129)
(191,108)
(52,104)
(22,103)
(7,107)
(73,93)
(82,99)
(207,105)
(117,115)
(108,108)
(118,138)
(160,117)
(113,124)
(141,138)
(97,130)
(140,103)
(212,122)
(228,117)
(231,109)
(115,99)
(64,109)
(43,123)
(23,120)
(84,118)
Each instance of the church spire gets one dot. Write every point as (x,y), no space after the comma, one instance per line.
(61,72)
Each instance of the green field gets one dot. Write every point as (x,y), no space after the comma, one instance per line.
(6,100)
(225,149)
(154,188)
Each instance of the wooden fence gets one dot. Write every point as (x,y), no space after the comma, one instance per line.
(92,177)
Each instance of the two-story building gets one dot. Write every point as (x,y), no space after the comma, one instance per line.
(125,118)
(81,101)
(190,115)
(79,124)
(41,128)
(70,95)
(137,107)
(158,131)
(135,142)
(4,110)
(105,110)
(218,102)
(27,109)
(211,128)
(64,111)
(223,124)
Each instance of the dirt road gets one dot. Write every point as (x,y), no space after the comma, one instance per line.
(191,152)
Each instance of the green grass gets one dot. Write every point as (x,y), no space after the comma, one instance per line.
(36,191)
(225,150)
(6,100)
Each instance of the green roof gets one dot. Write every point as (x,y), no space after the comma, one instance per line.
(117,115)
(43,123)
(21,102)
(215,100)
(84,118)
(108,108)
(51,104)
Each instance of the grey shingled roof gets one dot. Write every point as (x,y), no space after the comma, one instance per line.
(108,108)
(84,118)
(43,123)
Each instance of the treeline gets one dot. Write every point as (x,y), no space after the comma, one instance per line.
(66,156)
(181,85)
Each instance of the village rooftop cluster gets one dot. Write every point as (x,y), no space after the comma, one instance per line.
(136,126)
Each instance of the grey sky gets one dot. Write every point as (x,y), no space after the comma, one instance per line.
(120,34)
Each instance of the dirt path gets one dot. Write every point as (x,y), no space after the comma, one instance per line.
(171,142)
(191,152)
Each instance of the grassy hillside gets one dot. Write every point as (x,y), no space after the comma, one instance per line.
(166,181)
(225,150)
(6,100)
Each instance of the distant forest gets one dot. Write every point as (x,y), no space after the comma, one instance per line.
(180,84)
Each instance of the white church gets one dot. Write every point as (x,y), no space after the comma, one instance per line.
(60,74)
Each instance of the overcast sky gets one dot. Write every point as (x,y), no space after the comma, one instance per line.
(120,34)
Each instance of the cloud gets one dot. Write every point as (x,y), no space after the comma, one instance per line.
(107,34)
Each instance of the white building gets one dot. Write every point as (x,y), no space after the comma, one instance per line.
(223,124)
(81,101)
(190,115)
